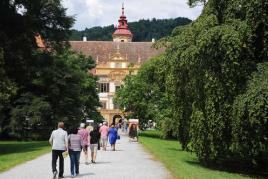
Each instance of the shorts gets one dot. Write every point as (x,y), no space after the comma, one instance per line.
(104,141)
(85,148)
(94,147)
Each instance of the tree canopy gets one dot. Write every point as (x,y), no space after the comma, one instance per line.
(215,107)
(143,30)
(41,86)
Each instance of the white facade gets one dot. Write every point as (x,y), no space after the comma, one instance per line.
(107,98)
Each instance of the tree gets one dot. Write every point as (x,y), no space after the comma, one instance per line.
(143,30)
(61,89)
(143,95)
(52,84)
(193,3)
(249,125)
(209,64)
(7,91)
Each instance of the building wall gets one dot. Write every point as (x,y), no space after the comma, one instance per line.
(112,67)
(122,39)
(112,72)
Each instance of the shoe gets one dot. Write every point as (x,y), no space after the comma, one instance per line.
(72,176)
(55,174)
(61,176)
(87,163)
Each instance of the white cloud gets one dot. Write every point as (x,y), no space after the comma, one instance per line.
(89,13)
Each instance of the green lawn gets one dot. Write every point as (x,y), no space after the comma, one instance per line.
(181,164)
(13,153)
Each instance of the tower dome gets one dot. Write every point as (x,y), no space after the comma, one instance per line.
(122,33)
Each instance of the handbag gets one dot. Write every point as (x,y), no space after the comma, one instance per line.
(99,145)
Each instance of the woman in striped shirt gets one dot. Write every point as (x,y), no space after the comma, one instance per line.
(75,146)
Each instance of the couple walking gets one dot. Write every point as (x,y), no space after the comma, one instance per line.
(90,140)
(73,144)
(106,133)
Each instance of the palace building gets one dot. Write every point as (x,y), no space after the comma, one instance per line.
(114,60)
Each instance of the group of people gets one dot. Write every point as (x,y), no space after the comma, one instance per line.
(80,139)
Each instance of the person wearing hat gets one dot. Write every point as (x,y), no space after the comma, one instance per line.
(84,135)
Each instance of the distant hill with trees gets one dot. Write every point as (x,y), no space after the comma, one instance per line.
(143,30)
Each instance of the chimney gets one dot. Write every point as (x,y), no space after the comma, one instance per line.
(84,39)
(153,40)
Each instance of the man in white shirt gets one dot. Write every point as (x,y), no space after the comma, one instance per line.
(59,142)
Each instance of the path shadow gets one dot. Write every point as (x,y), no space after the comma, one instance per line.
(102,162)
(80,175)
(84,174)
(118,150)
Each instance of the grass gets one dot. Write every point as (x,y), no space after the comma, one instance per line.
(180,163)
(13,153)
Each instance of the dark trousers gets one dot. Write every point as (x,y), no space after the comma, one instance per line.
(74,158)
(55,155)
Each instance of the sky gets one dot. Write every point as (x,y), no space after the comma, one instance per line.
(90,13)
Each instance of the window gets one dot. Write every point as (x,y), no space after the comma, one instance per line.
(116,106)
(103,105)
(104,87)
(118,65)
(117,88)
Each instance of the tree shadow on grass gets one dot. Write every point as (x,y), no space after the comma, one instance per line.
(243,172)
(21,147)
(175,149)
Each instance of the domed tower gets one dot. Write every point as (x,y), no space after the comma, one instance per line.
(122,33)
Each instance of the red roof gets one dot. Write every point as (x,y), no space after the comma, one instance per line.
(122,28)
(123,32)
(103,50)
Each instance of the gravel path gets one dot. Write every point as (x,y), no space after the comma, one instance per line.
(130,161)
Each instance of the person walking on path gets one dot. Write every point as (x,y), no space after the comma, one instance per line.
(133,132)
(75,146)
(59,142)
(104,135)
(94,136)
(83,132)
(112,136)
